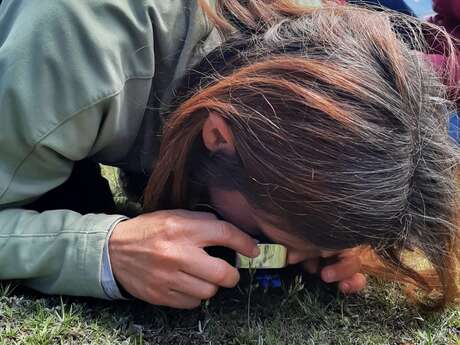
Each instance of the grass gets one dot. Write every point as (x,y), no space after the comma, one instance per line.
(302,311)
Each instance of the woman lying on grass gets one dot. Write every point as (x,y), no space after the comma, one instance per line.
(320,129)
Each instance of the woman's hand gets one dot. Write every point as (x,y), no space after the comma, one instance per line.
(345,271)
(159,257)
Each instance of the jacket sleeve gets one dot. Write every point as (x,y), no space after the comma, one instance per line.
(55,252)
(59,251)
(65,86)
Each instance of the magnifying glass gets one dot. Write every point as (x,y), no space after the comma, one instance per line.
(271,256)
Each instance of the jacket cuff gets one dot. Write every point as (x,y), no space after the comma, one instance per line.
(71,260)
(108,282)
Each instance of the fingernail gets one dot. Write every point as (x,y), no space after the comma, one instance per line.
(256,251)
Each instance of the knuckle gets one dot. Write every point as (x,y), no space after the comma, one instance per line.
(221,273)
(173,228)
(209,291)
(235,279)
(224,231)
(172,223)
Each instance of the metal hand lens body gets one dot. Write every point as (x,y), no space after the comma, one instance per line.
(271,256)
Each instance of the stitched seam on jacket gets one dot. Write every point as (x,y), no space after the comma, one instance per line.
(102,98)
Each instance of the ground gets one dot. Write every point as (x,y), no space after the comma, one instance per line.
(302,311)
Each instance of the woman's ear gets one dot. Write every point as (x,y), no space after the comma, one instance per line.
(217,135)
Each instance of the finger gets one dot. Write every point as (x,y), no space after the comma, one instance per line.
(311,265)
(194,287)
(221,233)
(179,300)
(345,268)
(354,284)
(208,268)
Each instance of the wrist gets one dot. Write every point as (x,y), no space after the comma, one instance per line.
(109,283)
(115,239)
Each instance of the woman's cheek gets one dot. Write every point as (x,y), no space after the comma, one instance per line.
(234,209)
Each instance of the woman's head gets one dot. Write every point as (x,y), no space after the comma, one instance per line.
(338,126)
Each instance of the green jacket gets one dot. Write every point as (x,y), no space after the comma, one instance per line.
(75,79)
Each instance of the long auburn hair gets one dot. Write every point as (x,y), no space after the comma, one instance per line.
(340,129)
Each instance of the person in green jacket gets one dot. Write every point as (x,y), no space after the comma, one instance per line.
(318,129)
